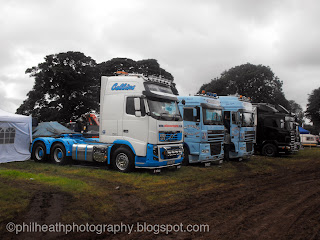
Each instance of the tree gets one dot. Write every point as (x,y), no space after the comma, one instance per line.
(146,67)
(313,108)
(255,81)
(297,110)
(66,85)
(312,129)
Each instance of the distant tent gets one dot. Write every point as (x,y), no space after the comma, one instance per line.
(303,131)
(15,137)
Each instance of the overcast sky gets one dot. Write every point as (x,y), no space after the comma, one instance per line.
(193,40)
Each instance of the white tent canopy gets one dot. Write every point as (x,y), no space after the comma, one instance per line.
(15,137)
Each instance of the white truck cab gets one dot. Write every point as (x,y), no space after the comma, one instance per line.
(141,119)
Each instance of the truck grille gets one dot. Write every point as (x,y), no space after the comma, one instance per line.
(170,136)
(215,136)
(215,148)
(249,147)
(170,152)
(292,142)
(249,136)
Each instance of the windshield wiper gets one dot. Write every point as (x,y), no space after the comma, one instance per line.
(177,117)
(164,113)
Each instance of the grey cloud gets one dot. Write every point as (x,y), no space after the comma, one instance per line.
(194,40)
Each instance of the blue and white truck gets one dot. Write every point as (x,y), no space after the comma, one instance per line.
(239,119)
(140,127)
(203,129)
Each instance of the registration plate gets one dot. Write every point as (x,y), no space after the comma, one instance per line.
(170,162)
(207,164)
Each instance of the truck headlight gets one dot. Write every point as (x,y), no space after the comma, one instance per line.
(204,135)
(162,137)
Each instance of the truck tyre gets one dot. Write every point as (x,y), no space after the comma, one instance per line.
(123,160)
(269,150)
(58,154)
(39,152)
(185,161)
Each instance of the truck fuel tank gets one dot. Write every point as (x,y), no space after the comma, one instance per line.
(91,153)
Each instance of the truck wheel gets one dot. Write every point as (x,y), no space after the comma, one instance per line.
(39,152)
(58,154)
(269,150)
(185,161)
(123,160)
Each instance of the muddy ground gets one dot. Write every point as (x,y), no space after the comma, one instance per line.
(283,204)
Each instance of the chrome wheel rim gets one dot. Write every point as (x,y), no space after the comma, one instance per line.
(122,161)
(39,153)
(58,155)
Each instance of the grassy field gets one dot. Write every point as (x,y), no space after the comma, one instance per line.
(94,194)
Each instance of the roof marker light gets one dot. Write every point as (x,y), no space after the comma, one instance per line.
(121,73)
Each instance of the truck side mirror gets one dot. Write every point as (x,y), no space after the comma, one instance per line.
(137,104)
(239,118)
(195,113)
(137,107)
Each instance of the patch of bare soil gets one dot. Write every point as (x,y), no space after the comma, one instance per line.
(284,204)
(280,205)
(45,208)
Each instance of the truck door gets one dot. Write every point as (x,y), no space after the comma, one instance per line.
(235,130)
(135,126)
(192,128)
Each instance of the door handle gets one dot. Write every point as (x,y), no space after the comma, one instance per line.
(126,131)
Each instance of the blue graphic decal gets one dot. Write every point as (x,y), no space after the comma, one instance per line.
(123,86)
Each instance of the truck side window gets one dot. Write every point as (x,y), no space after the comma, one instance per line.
(188,114)
(198,114)
(130,106)
(269,122)
(234,118)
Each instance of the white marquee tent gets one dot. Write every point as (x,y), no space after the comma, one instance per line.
(15,137)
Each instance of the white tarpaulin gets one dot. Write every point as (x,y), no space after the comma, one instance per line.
(15,137)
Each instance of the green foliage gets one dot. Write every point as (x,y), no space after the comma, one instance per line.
(297,110)
(146,67)
(255,81)
(66,184)
(312,129)
(66,84)
(313,108)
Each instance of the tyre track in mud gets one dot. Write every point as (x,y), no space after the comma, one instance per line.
(281,205)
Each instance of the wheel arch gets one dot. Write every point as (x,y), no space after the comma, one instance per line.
(46,141)
(65,143)
(117,144)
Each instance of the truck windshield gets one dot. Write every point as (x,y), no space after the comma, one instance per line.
(212,116)
(247,119)
(167,110)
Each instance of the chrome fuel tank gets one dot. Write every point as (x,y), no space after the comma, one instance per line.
(90,153)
